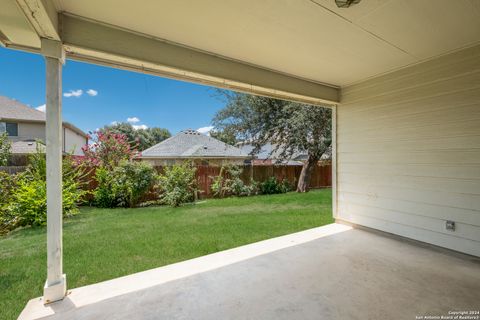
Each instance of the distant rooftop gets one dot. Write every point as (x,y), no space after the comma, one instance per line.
(192,144)
(14,110)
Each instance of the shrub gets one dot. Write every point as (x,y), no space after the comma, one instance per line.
(28,202)
(29,205)
(8,183)
(178,184)
(125,185)
(5,149)
(217,186)
(105,193)
(7,186)
(273,186)
(228,182)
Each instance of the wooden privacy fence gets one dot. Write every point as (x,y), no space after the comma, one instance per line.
(13,169)
(321,175)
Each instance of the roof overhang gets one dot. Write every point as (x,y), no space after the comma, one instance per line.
(75,129)
(100,43)
(299,50)
(105,44)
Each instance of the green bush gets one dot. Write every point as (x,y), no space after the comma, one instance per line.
(105,195)
(28,201)
(217,185)
(133,180)
(29,204)
(124,186)
(5,149)
(178,184)
(7,186)
(229,183)
(273,186)
(8,183)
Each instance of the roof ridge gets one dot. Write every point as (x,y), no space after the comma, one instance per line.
(12,109)
(190,143)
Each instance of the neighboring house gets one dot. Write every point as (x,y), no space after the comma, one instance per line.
(266,157)
(25,125)
(192,145)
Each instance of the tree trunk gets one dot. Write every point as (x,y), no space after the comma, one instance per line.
(307,169)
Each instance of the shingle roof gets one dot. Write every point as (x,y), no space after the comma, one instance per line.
(192,144)
(266,152)
(12,109)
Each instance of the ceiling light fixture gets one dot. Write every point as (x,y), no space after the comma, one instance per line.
(346,3)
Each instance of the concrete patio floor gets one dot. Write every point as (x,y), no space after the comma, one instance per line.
(330,272)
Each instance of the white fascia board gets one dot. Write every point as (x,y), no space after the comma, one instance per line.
(95,42)
(43,17)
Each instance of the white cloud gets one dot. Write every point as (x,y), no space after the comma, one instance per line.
(92,93)
(42,108)
(133,120)
(141,126)
(113,123)
(73,93)
(205,130)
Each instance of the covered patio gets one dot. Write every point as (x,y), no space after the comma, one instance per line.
(403,80)
(331,272)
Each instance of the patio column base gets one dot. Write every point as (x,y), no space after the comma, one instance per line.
(55,292)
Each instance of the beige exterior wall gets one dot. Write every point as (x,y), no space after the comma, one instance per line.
(73,142)
(408,152)
(31,130)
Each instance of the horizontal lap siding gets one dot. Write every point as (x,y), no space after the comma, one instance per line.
(408,152)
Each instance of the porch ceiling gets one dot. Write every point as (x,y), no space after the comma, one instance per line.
(311,40)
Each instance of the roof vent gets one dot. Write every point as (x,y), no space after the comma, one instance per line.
(191,131)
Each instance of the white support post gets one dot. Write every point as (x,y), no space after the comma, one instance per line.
(334,162)
(55,286)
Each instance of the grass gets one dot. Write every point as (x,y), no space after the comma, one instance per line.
(101,244)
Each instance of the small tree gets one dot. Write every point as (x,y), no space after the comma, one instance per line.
(108,149)
(290,127)
(5,149)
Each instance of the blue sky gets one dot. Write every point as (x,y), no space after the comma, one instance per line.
(120,95)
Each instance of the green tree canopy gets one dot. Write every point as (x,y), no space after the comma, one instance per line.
(226,136)
(291,127)
(140,139)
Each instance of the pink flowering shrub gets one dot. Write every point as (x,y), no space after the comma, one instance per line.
(107,150)
(120,182)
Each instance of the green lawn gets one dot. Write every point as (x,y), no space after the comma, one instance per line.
(101,244)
